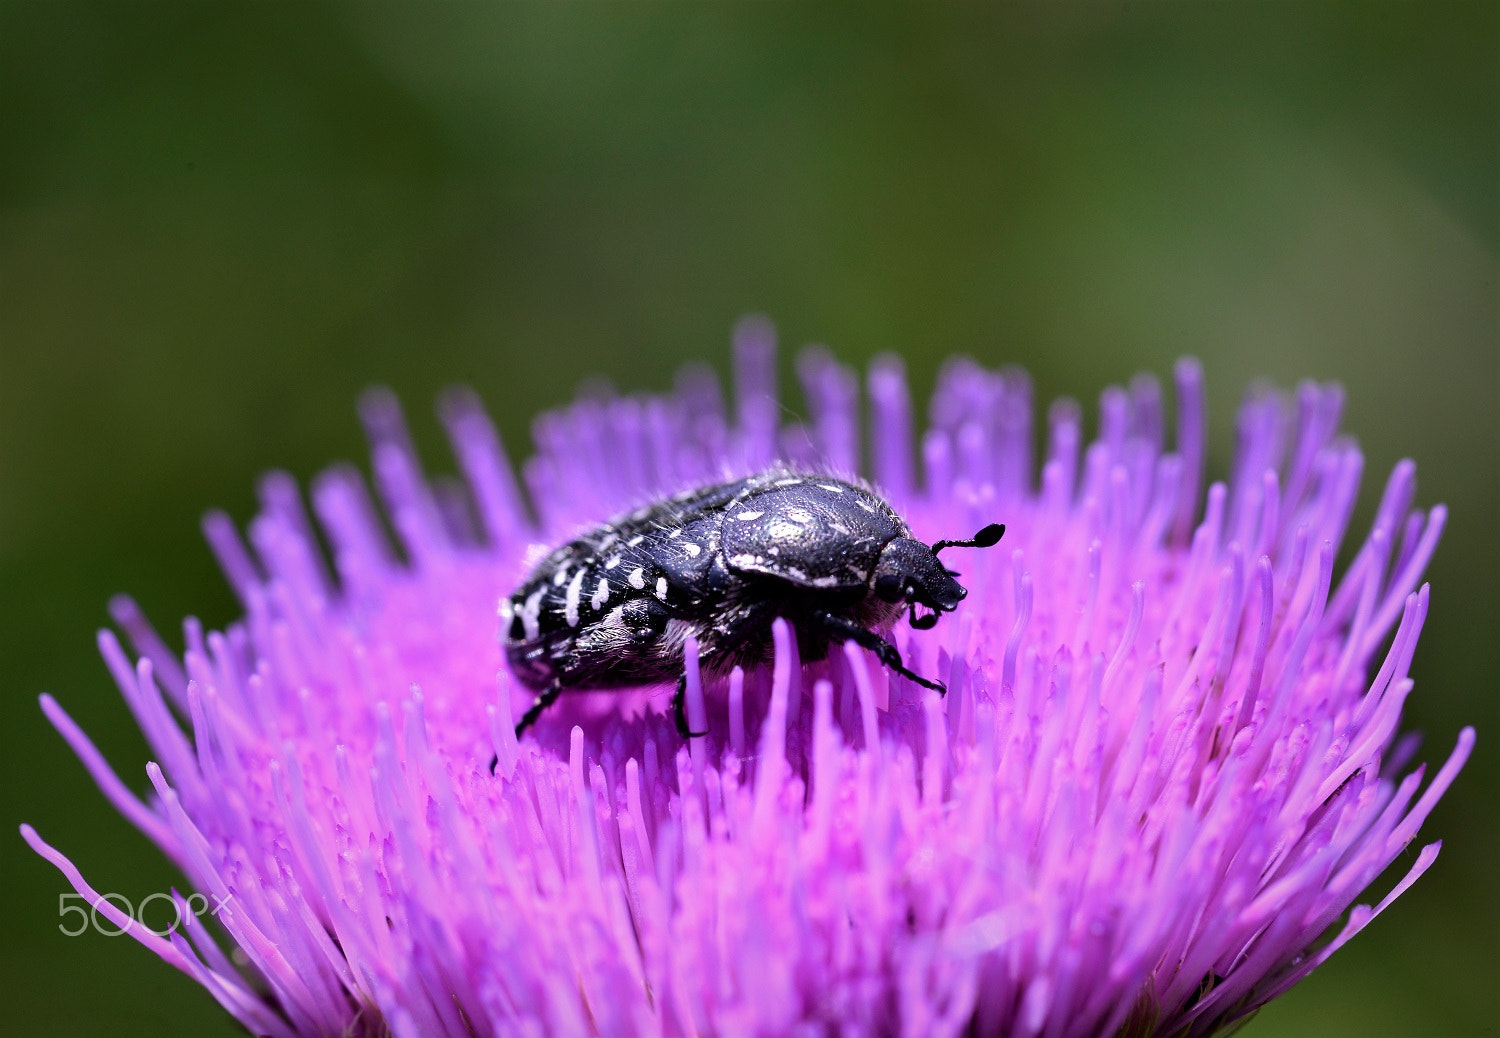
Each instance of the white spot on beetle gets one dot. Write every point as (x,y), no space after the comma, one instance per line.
(746,517)
(575,591)
(561,576)
(831,488)
(661,588)
(825,581)
(601,595)
(637,578)
(866,506)
(692,549)
(800,515)
(635,540)
(787,482)
(612,562)
(675,533)
(838,527)
(530,609)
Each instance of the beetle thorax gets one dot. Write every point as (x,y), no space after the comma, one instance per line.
(812,532)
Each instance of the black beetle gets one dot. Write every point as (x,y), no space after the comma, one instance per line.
(613,607)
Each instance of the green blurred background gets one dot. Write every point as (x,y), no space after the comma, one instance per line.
(218,222)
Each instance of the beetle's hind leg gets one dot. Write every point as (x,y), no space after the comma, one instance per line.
(679,710)
(841,630)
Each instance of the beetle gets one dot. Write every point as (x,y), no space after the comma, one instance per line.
(613,607)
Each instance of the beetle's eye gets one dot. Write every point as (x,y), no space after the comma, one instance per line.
(890,587)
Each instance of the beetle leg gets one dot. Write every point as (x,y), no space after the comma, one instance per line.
(544,699)
(646,619)
(889,656)
(679,710)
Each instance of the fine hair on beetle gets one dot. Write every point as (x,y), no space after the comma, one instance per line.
(614,606)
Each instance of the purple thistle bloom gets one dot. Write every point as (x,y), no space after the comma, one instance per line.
(1167,765)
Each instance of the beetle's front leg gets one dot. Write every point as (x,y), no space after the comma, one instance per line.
(841,629)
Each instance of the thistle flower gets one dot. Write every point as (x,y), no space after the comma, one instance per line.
(1166,766)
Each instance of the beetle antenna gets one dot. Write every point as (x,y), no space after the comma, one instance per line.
(986,538)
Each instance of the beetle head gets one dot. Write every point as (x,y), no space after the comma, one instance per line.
(909,571)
